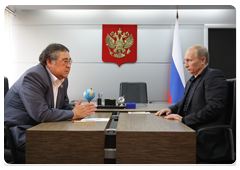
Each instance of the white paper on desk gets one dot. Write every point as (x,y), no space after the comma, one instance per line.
(85,120)
(139,113)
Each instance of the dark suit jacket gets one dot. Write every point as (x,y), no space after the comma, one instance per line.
(30,101)
(206,107)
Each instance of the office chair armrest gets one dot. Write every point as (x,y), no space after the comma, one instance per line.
(226,127)
(199,131)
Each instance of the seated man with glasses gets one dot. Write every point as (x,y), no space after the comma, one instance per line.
(40,95)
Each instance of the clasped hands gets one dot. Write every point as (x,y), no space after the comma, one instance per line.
(167,111)
(81,111)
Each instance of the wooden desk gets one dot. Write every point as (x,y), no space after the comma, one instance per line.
(66,142)
(140,139)
(150,139)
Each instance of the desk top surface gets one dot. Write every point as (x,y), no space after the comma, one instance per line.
(127,122)
(149,123)
(70,126)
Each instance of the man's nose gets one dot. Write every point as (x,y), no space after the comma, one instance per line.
(68,64)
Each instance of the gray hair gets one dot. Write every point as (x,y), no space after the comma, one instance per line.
(201,52)
(51,52)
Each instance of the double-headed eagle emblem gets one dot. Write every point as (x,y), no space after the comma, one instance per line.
(118,44)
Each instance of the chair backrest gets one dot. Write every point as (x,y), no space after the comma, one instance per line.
(8,133)
(11,144)
(6,87)
(231,107)
(134,92)
(231,103)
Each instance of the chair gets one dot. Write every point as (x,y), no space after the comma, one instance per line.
(6,86)
(134,92)
(11,155)
(230,126)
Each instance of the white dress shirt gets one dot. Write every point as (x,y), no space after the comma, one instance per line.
(55,84)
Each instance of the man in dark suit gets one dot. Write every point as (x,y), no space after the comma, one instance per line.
(203,103)
(40,95)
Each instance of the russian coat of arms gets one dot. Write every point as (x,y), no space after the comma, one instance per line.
(119,43)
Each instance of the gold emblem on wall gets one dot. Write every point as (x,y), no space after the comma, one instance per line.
(119,44)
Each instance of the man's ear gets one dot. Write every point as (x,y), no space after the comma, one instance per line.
(49,62)
(204,59)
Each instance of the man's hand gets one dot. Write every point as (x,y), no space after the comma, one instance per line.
(174,116)
(167,111)
(81,111)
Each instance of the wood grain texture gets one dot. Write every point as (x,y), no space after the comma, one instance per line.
(149,122)
(70,126)
(67,142)
(149,139)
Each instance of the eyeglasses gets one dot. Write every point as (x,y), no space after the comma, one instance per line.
(66,62)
